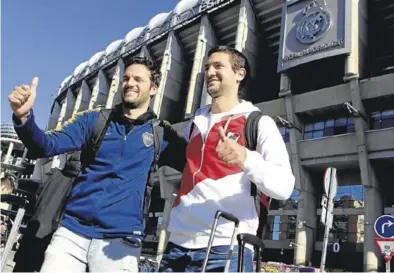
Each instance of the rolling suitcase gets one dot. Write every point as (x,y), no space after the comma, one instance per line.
(21,203)
(228,217)
(243,239)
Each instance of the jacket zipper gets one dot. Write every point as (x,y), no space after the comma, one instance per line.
(203,147)
(126,135)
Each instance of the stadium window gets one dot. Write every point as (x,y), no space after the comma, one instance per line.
(350,125)
(285,134)
(308,131)
(376,120)
(329,127)
(281,227)
(387,119)
(383,119)
(289,204)
(345,229)
(349,196)
(340,126)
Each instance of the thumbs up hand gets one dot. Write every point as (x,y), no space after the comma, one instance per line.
(22,99)
(229,151)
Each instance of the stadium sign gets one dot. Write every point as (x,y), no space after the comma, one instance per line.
(209,4)
(312,30)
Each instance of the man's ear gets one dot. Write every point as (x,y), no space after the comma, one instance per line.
(241,74)
(153,90)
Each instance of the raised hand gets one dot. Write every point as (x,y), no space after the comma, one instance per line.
(229,151)
(22,99)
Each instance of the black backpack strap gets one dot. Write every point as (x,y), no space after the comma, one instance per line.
(251,135)
(158,133)
(191,129)
(99,130)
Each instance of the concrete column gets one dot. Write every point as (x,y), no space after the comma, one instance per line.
(82,101)
(206,40)
(77,101)
(373,205)
(24,154)
(70,104)
(9,152)
(62,113)
(54,117)
(100,91)
(247,41)
(59,160)
(358,36)
(167,102)
(115,90)
(145,53)
(306,213)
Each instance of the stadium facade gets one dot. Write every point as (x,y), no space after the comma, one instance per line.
(14,155)
(326,68)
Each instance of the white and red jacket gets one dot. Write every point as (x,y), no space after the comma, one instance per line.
(208,184)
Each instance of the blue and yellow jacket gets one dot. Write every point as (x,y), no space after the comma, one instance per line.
(107,199)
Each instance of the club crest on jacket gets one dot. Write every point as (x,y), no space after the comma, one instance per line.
(233,136)
(147,138)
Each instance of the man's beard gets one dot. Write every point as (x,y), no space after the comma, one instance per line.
(129,105)
(214,93)
(134,104)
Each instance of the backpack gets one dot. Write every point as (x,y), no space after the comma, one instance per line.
(262,202)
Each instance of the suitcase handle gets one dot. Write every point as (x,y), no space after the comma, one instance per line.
(231,218)
(245,238)
(227,216)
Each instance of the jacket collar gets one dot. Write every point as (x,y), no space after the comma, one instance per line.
(202,114)
(148,115)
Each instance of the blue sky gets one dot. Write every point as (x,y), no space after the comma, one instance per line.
(48,39)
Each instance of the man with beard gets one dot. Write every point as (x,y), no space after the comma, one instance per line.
(103,224)
(220,171)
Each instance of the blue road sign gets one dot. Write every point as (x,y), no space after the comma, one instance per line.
(384,226)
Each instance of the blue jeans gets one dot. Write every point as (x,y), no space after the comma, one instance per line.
(69,251)
(180,259)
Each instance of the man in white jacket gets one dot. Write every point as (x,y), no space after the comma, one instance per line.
(219,169)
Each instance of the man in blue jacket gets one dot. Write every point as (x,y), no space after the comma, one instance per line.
(103,223)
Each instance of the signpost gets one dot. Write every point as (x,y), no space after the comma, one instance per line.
(386,247)
(330,189)
(384,228)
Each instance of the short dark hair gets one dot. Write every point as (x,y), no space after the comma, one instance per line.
(237,60)
(155,74)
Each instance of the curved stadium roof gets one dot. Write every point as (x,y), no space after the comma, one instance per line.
(133,34)
(113,46)
(184,5)
(95,58)
(79,68)
(65,81)
(157,20)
